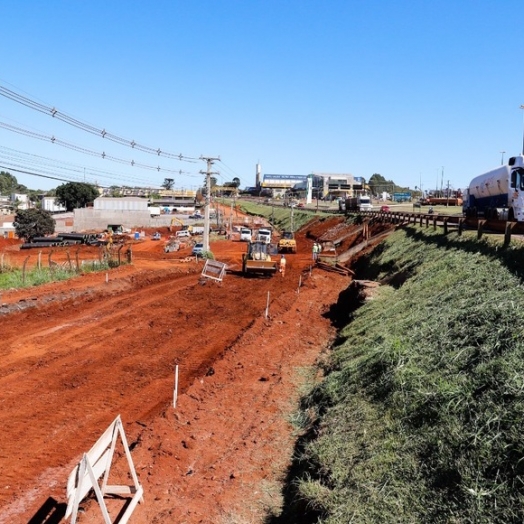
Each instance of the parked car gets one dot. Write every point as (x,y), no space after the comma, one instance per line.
(385,209)
(198,249)
(301,204)
(197,216)
(183,233)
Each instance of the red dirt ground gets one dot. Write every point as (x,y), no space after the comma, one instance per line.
(87,350)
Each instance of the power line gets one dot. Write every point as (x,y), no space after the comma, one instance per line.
(55,113)
(79,149)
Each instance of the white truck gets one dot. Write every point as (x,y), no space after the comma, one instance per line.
(498,193)
(358,203)
(264,235)
(154,211)
(245,234)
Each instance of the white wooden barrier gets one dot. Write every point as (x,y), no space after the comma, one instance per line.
(95,464)
(214,270)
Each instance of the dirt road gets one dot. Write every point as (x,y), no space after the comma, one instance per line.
(88,350)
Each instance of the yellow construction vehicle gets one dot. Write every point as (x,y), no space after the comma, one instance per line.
(257,259)
(184,227)
(287,242)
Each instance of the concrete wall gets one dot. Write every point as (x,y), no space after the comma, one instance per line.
(98,219)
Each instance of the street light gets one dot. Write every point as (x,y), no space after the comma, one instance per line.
(502,159)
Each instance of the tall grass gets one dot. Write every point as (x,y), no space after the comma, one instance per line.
(421,413)
(13,278)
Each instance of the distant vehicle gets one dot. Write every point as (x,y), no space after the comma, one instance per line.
(198,249)
(156,236)
(287,242)
(301,204)
(358,203)
(197,216)
(264,235)
(155,211)
(183,233)
(499,193)
(245,234)
(385,209)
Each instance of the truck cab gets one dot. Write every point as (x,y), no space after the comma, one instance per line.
(264,235)
(245,234)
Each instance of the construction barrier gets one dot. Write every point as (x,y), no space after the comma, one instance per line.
(214,270)
(95,464)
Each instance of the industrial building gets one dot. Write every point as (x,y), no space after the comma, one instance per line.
(323,185)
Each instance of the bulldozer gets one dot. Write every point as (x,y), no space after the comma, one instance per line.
(287,243)
(258,259)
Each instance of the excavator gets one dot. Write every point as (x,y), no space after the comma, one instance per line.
(258,259)
(179,222)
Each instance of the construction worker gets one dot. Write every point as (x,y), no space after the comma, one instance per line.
(316,251)
(282,267)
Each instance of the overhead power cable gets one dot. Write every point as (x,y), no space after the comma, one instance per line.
(83,150)
(53,112)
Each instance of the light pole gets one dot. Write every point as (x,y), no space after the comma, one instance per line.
(502,159)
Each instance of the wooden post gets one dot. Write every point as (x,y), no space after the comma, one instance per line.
(460,226)
(445,220)
(23,269)
(480,228)
(175,392)
(507,233)
(267,305)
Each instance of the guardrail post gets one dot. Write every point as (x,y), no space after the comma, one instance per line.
(480,228)
(445,220)
(507,233)
(434,222)
(460,226)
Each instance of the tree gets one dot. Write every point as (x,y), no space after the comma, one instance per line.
(236,181)
(168,183)
(74,195)
(31,223)
(8,183)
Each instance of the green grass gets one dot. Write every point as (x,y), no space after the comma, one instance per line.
(13,278)
(279,216)
(421,415)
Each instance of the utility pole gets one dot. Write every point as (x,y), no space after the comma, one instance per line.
(208,173)
(447,194)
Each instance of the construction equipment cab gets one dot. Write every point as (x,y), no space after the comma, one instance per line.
(245,234)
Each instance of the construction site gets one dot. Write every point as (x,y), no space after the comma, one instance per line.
(78,353)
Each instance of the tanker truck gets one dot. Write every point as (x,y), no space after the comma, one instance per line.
(499,193)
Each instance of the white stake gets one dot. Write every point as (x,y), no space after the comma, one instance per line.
(267,305)
(107,278)
(175,392)
(299,283)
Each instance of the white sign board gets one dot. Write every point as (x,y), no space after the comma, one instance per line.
(95,464)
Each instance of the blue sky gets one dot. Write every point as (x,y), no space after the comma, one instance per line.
(420,92)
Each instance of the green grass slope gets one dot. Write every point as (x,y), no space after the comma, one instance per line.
(420,416)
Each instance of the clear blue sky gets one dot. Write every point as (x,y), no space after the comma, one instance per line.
(409,90)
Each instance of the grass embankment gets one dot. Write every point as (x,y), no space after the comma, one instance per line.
(280,217)
(420,417)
